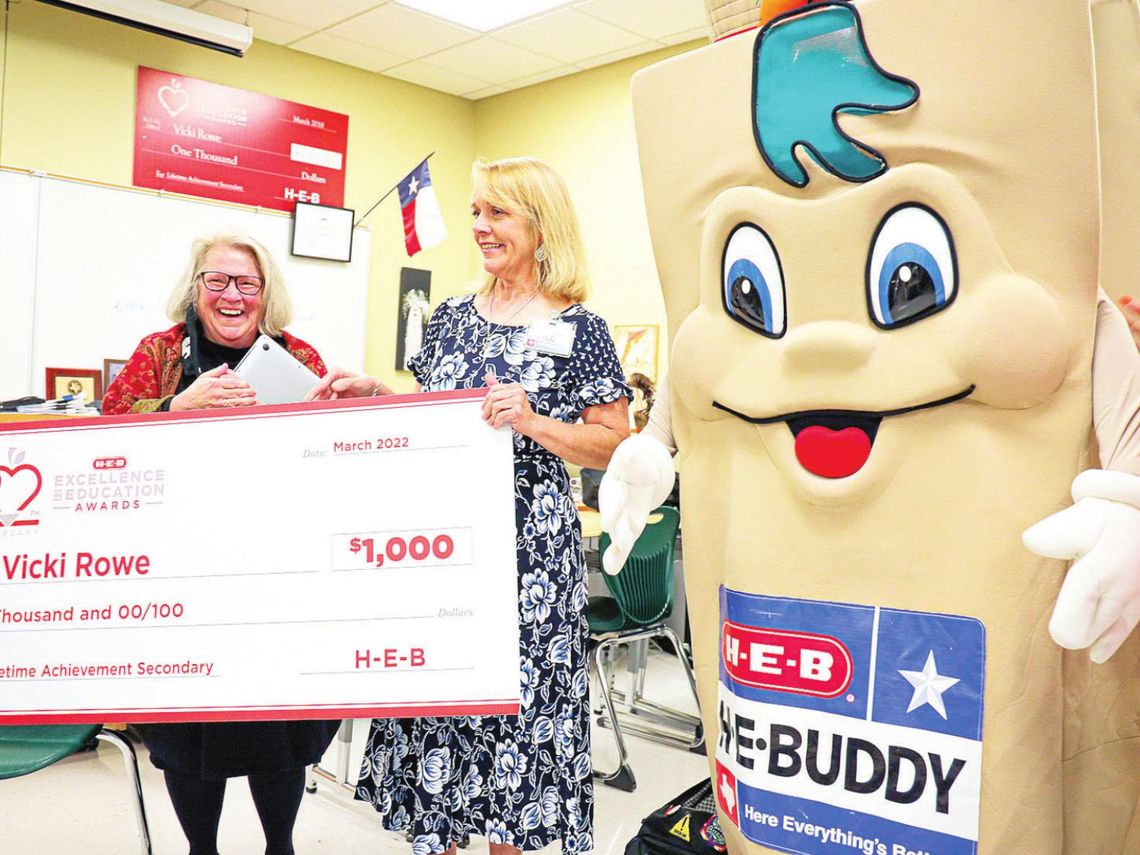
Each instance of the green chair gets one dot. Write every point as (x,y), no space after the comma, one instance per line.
(642,599)
(28,748)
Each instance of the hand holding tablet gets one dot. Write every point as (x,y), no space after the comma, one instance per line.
(273,372)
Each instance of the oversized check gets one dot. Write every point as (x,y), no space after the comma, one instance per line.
(345,559)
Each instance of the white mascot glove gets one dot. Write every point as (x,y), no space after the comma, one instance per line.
(1099,603)
(638,479)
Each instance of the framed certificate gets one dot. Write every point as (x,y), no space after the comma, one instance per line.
(321,231)
(59,382)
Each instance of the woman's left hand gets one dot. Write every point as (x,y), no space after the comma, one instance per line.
(506,405)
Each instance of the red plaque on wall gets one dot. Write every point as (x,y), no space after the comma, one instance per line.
(200,138)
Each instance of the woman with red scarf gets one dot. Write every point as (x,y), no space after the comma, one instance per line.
(231,291)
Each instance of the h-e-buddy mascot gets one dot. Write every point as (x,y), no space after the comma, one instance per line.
(876,226)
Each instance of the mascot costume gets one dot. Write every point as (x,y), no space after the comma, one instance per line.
(876,226)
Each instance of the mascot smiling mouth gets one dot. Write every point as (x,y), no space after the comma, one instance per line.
(837,443)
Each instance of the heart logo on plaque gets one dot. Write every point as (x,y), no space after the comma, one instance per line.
(19,486)
(173,99)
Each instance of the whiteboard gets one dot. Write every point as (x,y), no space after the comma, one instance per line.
(85,271)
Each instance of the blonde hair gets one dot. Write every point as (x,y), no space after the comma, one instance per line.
(528,186)
(276,307)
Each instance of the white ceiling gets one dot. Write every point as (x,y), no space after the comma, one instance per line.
(383,36)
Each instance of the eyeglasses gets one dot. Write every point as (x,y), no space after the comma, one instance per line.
(215,280)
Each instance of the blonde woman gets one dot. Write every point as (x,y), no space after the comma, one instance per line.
(523,782)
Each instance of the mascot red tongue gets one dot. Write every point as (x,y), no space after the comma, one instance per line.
(832,453)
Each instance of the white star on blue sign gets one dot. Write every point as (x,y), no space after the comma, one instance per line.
(928,686)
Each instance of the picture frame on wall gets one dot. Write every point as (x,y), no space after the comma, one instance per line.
(111,369)
(412,311)
(637,349)
(59,382)
(637,352)
(322,231)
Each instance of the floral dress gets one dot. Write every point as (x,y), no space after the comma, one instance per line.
(525,781)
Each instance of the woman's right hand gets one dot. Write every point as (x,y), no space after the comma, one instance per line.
(339,383)
(218,387)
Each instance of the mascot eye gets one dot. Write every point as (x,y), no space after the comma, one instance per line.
(752,282)
(912,271)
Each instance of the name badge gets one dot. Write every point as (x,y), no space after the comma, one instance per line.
(554,337)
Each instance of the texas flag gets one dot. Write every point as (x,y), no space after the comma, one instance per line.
(423,224)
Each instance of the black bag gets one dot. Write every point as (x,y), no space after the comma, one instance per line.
(591,480)
(687,825)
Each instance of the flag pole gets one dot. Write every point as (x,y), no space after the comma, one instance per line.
(385,196)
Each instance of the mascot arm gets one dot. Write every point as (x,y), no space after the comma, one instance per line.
(1116,390)
(638,479)
(1099,603)
(660,423)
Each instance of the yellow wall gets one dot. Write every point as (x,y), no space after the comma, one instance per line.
(69,110)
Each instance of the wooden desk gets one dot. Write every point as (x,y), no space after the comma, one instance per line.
(591,522)
(31,417)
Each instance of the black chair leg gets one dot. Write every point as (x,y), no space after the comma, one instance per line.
(622,780)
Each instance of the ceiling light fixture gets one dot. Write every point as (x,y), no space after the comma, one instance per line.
(167,19)
(484,16)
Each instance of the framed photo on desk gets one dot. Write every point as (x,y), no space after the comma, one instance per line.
(71,381)
(111,369)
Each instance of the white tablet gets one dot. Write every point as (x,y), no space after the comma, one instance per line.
(274,373)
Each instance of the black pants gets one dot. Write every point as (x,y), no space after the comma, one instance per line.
(198,804)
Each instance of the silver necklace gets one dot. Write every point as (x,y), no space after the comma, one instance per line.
(491,308)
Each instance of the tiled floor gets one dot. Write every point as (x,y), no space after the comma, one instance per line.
(80,805)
